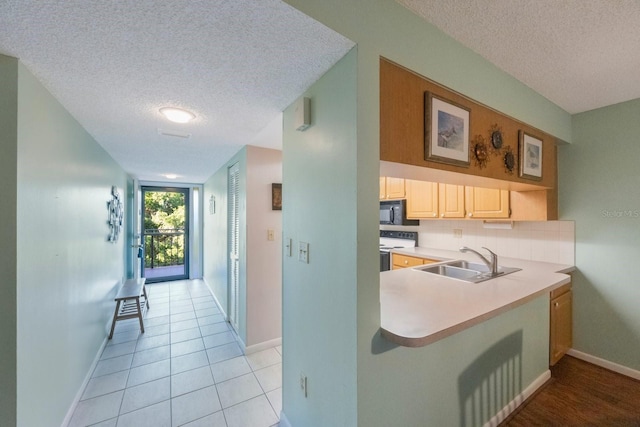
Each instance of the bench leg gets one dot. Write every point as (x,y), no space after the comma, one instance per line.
(146,298)
(115,316)
(140,314)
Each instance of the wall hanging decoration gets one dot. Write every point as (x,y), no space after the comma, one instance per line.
(509,160)
(479,150)
(276,197)
(530,156)
(447,131)
(116,215)
(495,136)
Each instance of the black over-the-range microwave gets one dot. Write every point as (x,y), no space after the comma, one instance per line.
(394,212)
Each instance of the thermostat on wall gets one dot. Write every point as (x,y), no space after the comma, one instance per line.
(302,114)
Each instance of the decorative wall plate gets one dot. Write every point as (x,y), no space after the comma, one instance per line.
(495,136)
(479,150)
(496,139)
(509,160)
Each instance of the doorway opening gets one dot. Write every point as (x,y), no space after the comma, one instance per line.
(165,233)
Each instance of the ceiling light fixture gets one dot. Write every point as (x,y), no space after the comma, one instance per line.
(177,115)
(170,175)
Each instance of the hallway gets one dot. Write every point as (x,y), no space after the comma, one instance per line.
(186,369)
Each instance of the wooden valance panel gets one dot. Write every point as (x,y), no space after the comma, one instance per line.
(402,129)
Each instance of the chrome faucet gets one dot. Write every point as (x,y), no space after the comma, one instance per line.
(493,264)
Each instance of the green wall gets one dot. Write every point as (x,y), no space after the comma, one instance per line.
(380,28)
(600,189)
(67,271)
(319,299)
(8,235)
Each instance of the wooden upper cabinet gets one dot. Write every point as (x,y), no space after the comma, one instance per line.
(392,188)
(486,203)
(422,199)
(451,201)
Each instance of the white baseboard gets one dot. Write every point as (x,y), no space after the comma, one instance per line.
(519,399)
(262,346)
(284,422)
(605,364)
(220,307)
(87,378)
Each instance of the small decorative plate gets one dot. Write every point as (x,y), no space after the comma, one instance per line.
(496,139)
(479,150)
(509,160)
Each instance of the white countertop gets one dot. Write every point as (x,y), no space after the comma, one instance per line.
(418,308)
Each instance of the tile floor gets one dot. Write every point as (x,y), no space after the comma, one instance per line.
(186,369)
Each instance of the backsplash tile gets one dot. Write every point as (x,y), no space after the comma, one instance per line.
(546,241)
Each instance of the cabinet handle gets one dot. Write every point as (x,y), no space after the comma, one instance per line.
(442,215)
(407,262)
(435,214)
(470,214)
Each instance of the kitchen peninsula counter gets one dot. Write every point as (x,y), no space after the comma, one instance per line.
(419,308)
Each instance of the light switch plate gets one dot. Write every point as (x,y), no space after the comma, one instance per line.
(288,246)
(303,252)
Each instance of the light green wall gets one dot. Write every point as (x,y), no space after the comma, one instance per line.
(385,28)
(430,386)
(600,189)
(67,270)
(320,207)
(8,218)
(380,28)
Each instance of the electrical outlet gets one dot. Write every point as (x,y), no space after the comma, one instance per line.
(303,384)
(457,233)
(303,252)
(271,235)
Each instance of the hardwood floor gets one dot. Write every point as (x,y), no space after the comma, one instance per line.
(581,394)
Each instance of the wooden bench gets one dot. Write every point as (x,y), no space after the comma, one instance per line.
(128,302)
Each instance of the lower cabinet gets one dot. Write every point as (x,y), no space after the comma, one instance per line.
(404,261)
(561,327)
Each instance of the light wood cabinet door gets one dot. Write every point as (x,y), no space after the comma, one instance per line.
(392,188)
(422,199)
(486,202)
(404,261)
(561,328)
(450,201)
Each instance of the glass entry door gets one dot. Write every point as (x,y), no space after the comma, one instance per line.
(165,228)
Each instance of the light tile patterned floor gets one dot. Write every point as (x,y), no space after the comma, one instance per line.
(186,369)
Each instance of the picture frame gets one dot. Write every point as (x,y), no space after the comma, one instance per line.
(530,150)
(276,197)
(447,127)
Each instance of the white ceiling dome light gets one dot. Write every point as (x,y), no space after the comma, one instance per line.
(177,115)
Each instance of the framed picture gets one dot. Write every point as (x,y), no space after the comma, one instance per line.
(446,131)
(530,149)
(276,197)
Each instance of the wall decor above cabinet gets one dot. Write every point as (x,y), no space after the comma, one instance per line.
(480,151)
(446,131)
(530,156)
(427,125)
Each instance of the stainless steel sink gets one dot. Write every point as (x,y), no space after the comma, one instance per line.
(465,270)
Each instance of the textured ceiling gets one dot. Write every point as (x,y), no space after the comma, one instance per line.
(112,64)
(579,54)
